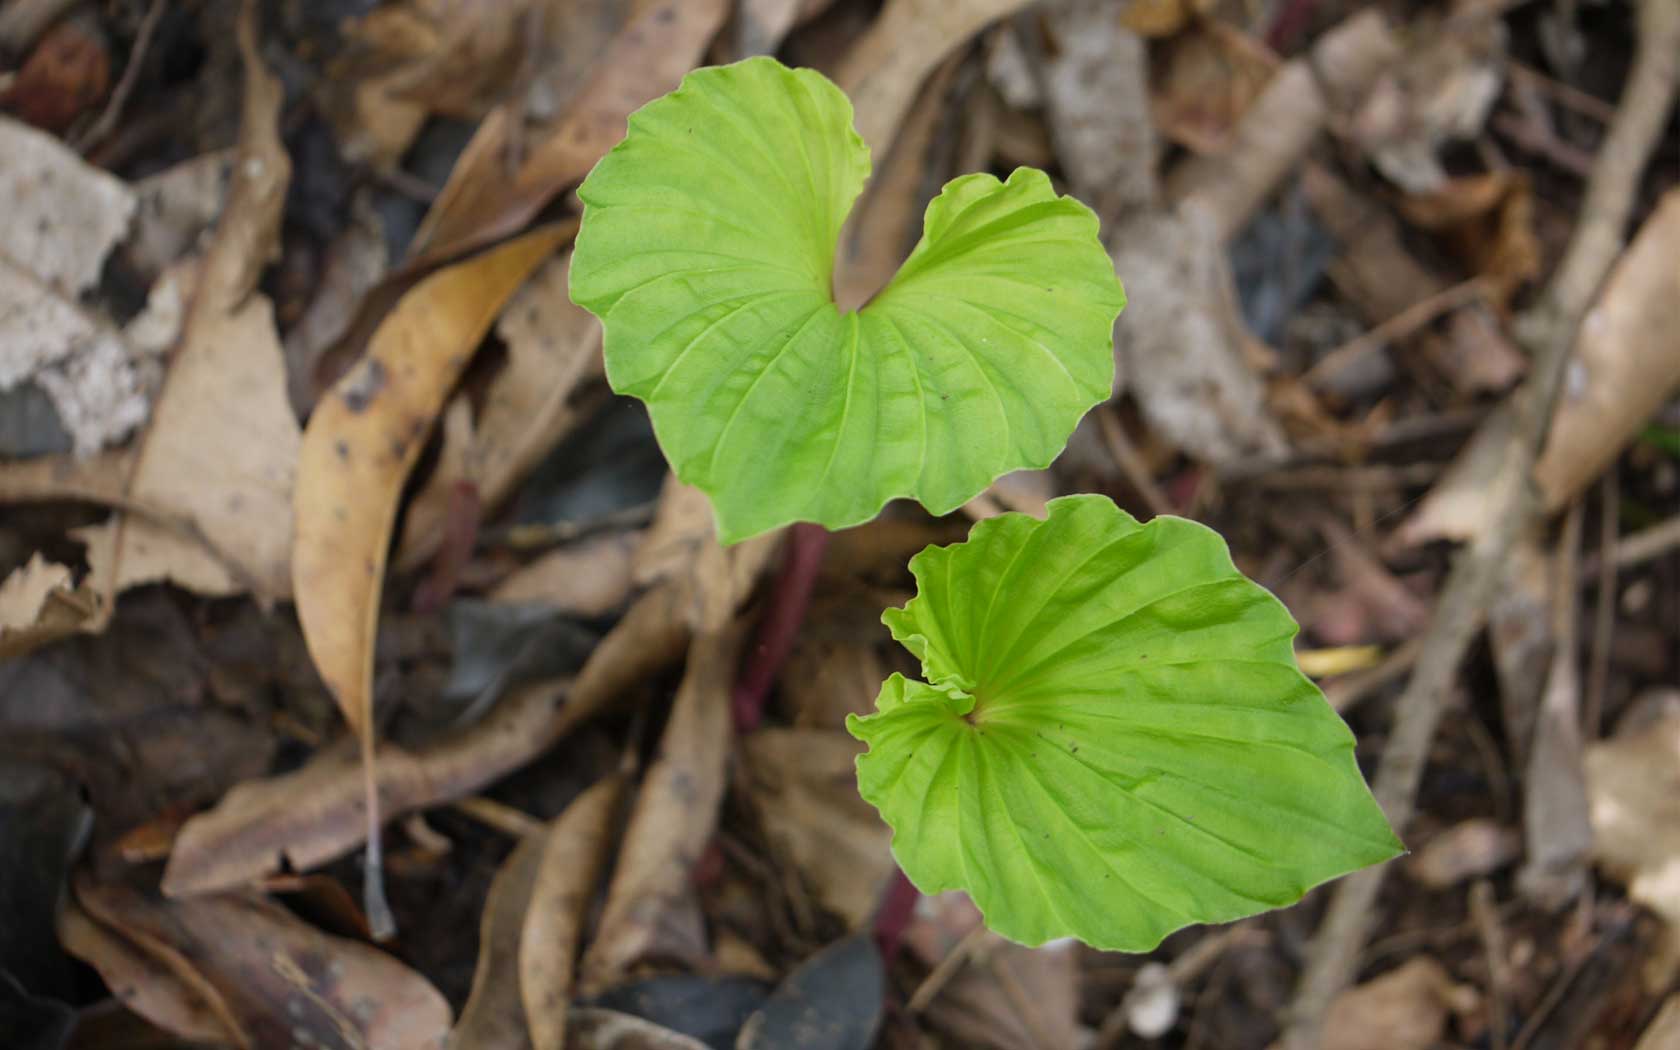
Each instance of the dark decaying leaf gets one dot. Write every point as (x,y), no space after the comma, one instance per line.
(833,1001)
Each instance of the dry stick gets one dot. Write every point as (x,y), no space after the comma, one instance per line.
(1646,544)
(125,87)
(1131,463)
(1549,330)
(1398,327)
(1604,614)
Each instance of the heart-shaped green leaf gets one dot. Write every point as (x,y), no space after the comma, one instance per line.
(1114,740)
(707,250)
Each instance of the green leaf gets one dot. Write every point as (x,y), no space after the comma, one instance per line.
(1114,740)
(707,250)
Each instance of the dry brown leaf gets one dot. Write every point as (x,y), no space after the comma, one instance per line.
(803,784)
(96,479)
(1404,1009)
(175,208)
(1440,91)
(1488,221)
(269,976)
(1274,133)
(150,553)
(553,348)
(651,909)
(1204,81)
(1626,361)
(481,203)
(403,62)
(1467,850)
(589,578)
(493,1018)
(356,261)
(139,981)
(39,604)
(885,68)
(361,443)
(222,443)
(681,547)
(1156,18)
(317,813)
(1633,791)
(577,847)
(1663,1033)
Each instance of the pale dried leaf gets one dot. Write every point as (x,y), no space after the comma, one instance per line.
(40,604)
(575,853)
(651,909)
(140,982)
(493,1018)
(272,973)
(62,216)
(1633,790)
(589,578)
(1404,1009)
(1094,87)
(803,784)
(315,813)
(1626,361)
(221,447)
(362,440)
(1467,850)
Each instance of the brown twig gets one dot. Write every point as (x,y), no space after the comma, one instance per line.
(1549,330)
(1131,463)
(1485,912)
(1604,613)
(125,86)
(1396,328)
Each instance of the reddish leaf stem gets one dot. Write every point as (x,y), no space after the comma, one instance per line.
(776,631)
(898,908)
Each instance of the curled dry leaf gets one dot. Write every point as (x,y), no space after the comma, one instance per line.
(553,349)
(575,852)
(268,976)
(1404,1009)
(480,203)
(803,784)
(317,813)
(1467,850)
(1626,363)
(493,1018)
(141,982)
(589,578)
(220,450)
(883,71)
(681,548)
(39,604)
(1633,797)
(1205,82)
(651,909)
(360,445)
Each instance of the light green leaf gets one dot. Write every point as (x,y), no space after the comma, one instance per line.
(1114,740)
(707,250)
